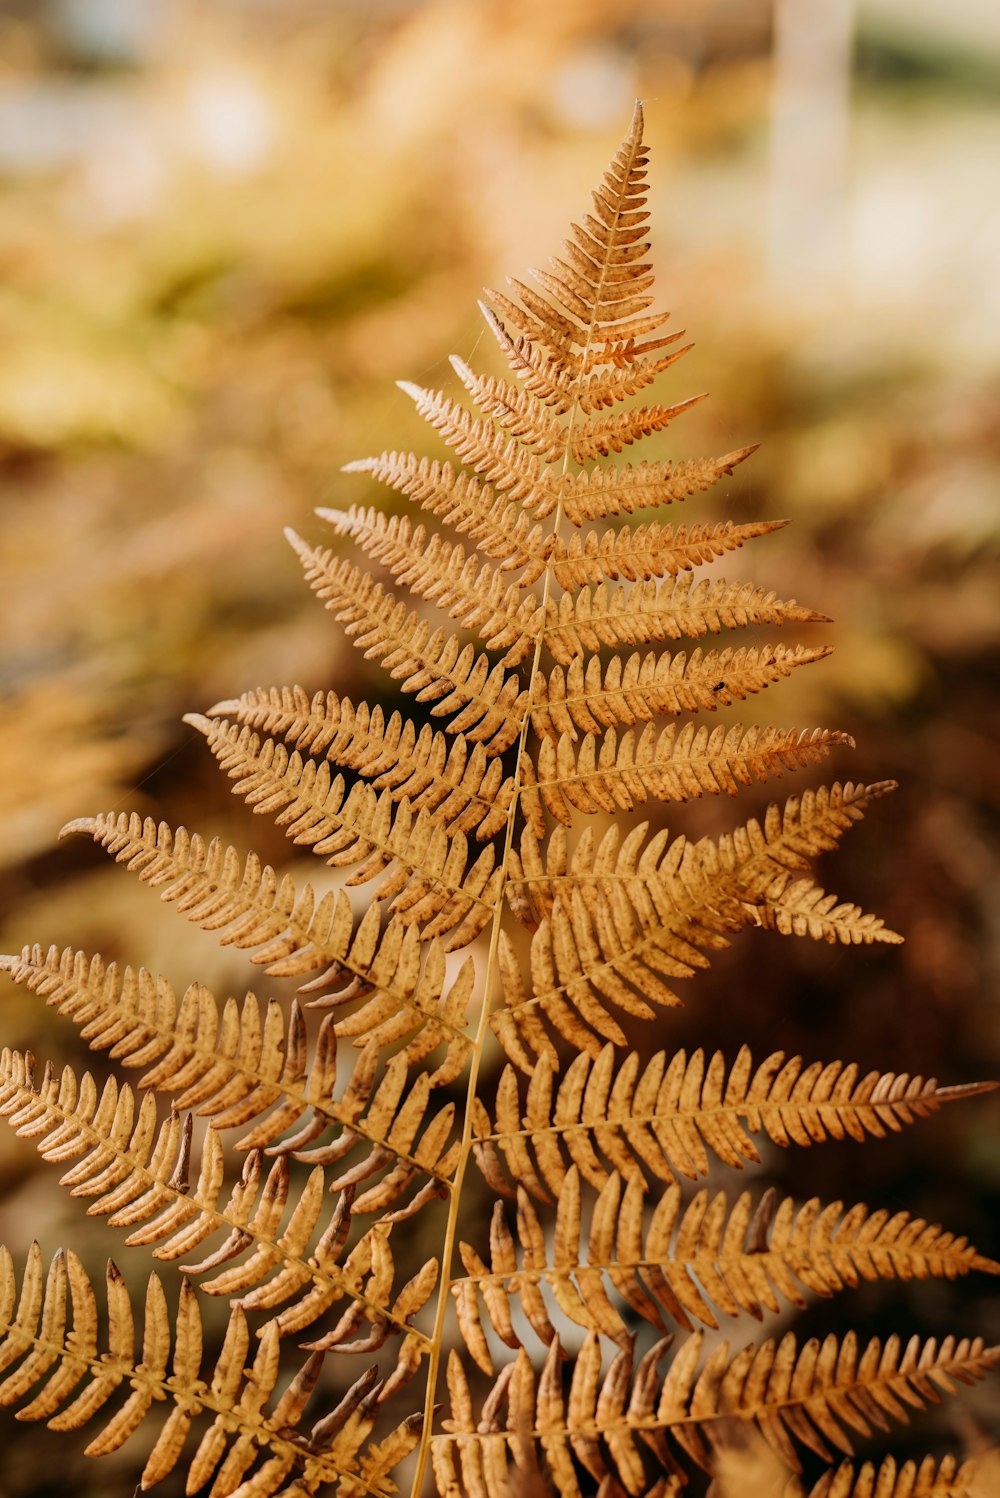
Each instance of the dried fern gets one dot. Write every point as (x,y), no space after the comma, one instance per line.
(547,680)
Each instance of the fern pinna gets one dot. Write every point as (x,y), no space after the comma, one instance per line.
(556,1346)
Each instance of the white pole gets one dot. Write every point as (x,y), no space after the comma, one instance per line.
(807,247)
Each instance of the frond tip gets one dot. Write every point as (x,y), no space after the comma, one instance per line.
(664,1115)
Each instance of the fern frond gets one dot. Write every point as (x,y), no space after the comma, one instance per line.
(821,1395)
(519,412)
(488,703)
(606,948)
(500,528)
(382,970)
(664,1116)
(543,867)
(546,684)
(39,1337)
(427,876)
(607,386)
(595,299)
(604,492)
(550,381)
(591,694)
(749,868)
(617,774)
(798,907)
(645,868)
(670,610)
(752,864)
(139,1175)
(215,889)
(234,1065)
(616,946)
(538,325)
(498,459)
(926,1479)
(585,962)
(687,1263)
(599,280)
(531,1426)
(807,825)
(467,589)
(464,789)
(649,550)
(542,323)
(601,435)
(599,345)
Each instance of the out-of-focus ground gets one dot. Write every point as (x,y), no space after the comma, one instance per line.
(225,230)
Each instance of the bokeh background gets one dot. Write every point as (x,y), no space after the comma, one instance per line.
(226,229)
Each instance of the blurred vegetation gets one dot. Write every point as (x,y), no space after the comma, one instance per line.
(225,231)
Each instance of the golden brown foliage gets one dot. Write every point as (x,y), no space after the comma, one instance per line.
(466,835)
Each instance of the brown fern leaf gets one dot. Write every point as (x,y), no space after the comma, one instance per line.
(216,890)
(487,702)
(37,1334)
(468,590)
(551,382)
(591,695)
(649,550)
(602,435)
(925,1479)
(798,907)
(742,1258)
(667,611)
(538,663)
(464,789)
(593,301)
(664,1116)
(518,411)
(427,875)
(744,1466)
(235,1064)
(806,1394)
(619,947)
(605,387)
(792,907)
(612,774)
(603,492)
(139,1175)
(607,1423)
(551,1435)
(789,838)
(499,527)
(499,460)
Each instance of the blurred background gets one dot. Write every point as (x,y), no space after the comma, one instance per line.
(226,229)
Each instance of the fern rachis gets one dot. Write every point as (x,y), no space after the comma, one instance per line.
(552,695)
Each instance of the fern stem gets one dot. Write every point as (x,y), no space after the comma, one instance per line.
(472,1090)
(454,1207)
